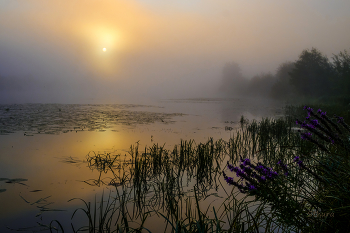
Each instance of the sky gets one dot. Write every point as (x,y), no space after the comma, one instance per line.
(52,51)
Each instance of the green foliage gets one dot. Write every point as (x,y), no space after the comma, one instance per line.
(320,186)
(260,85)
(312,73)
(341,64)
(311,76)
(172,185)
(282,89)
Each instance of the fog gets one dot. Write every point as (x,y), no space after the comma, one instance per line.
(52,51)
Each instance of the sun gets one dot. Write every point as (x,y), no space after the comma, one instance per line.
(104,49)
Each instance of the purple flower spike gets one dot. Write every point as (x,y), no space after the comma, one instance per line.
(250,187)
(319,111)
(303,125)
(310,109)
(340,119)
(230,167)
(300,163)
(323,114)
(314,122)
(246,162)
(305,136)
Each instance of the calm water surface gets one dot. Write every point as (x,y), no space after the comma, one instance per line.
(43,147)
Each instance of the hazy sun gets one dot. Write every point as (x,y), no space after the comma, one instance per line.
(104,49)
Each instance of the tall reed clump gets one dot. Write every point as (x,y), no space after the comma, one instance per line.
(155,182)
(304,183)
(285,181)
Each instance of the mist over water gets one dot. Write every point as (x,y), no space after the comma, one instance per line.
(82,78)
(52,52)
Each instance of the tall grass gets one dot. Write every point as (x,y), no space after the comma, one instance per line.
(184,188)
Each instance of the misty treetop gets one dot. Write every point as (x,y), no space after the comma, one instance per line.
(311,75)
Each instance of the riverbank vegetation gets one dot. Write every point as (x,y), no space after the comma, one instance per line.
(312,76)
(278,175)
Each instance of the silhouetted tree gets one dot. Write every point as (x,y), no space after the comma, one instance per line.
(233,81)
(282,87)
(312,74)
(341,65)
(260,85)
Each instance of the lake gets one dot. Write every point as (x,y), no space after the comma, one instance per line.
(44,148)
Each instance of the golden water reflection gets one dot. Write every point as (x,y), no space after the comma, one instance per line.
(55,164)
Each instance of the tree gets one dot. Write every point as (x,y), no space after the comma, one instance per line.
(312,74)
(341,65)
(282,88)
(260,85)
(233,81)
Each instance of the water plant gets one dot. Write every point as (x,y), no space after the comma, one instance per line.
(316,181)
(280,177)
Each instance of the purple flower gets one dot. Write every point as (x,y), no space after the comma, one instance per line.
(250,187)
(310,109)
(314,122)
(299,162)
(230,167)
(246,162)
(266,171)
(303,124)
(319,111)
(284,167)
(240,173)
(229,180)
(305,136)
(340,119)
(323,114)
(247,170)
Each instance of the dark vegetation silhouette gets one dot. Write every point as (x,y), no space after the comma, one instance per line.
(233,80)
(312,75)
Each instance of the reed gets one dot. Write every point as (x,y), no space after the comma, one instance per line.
(175,185)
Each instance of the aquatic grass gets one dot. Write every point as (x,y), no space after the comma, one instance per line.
(174,184)
(310,185)
(157,180)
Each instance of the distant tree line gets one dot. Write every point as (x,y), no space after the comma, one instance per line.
(311,75)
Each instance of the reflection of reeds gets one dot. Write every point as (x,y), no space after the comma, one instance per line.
(157,181)
(175,185)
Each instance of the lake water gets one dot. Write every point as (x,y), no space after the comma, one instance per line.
(44,147)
